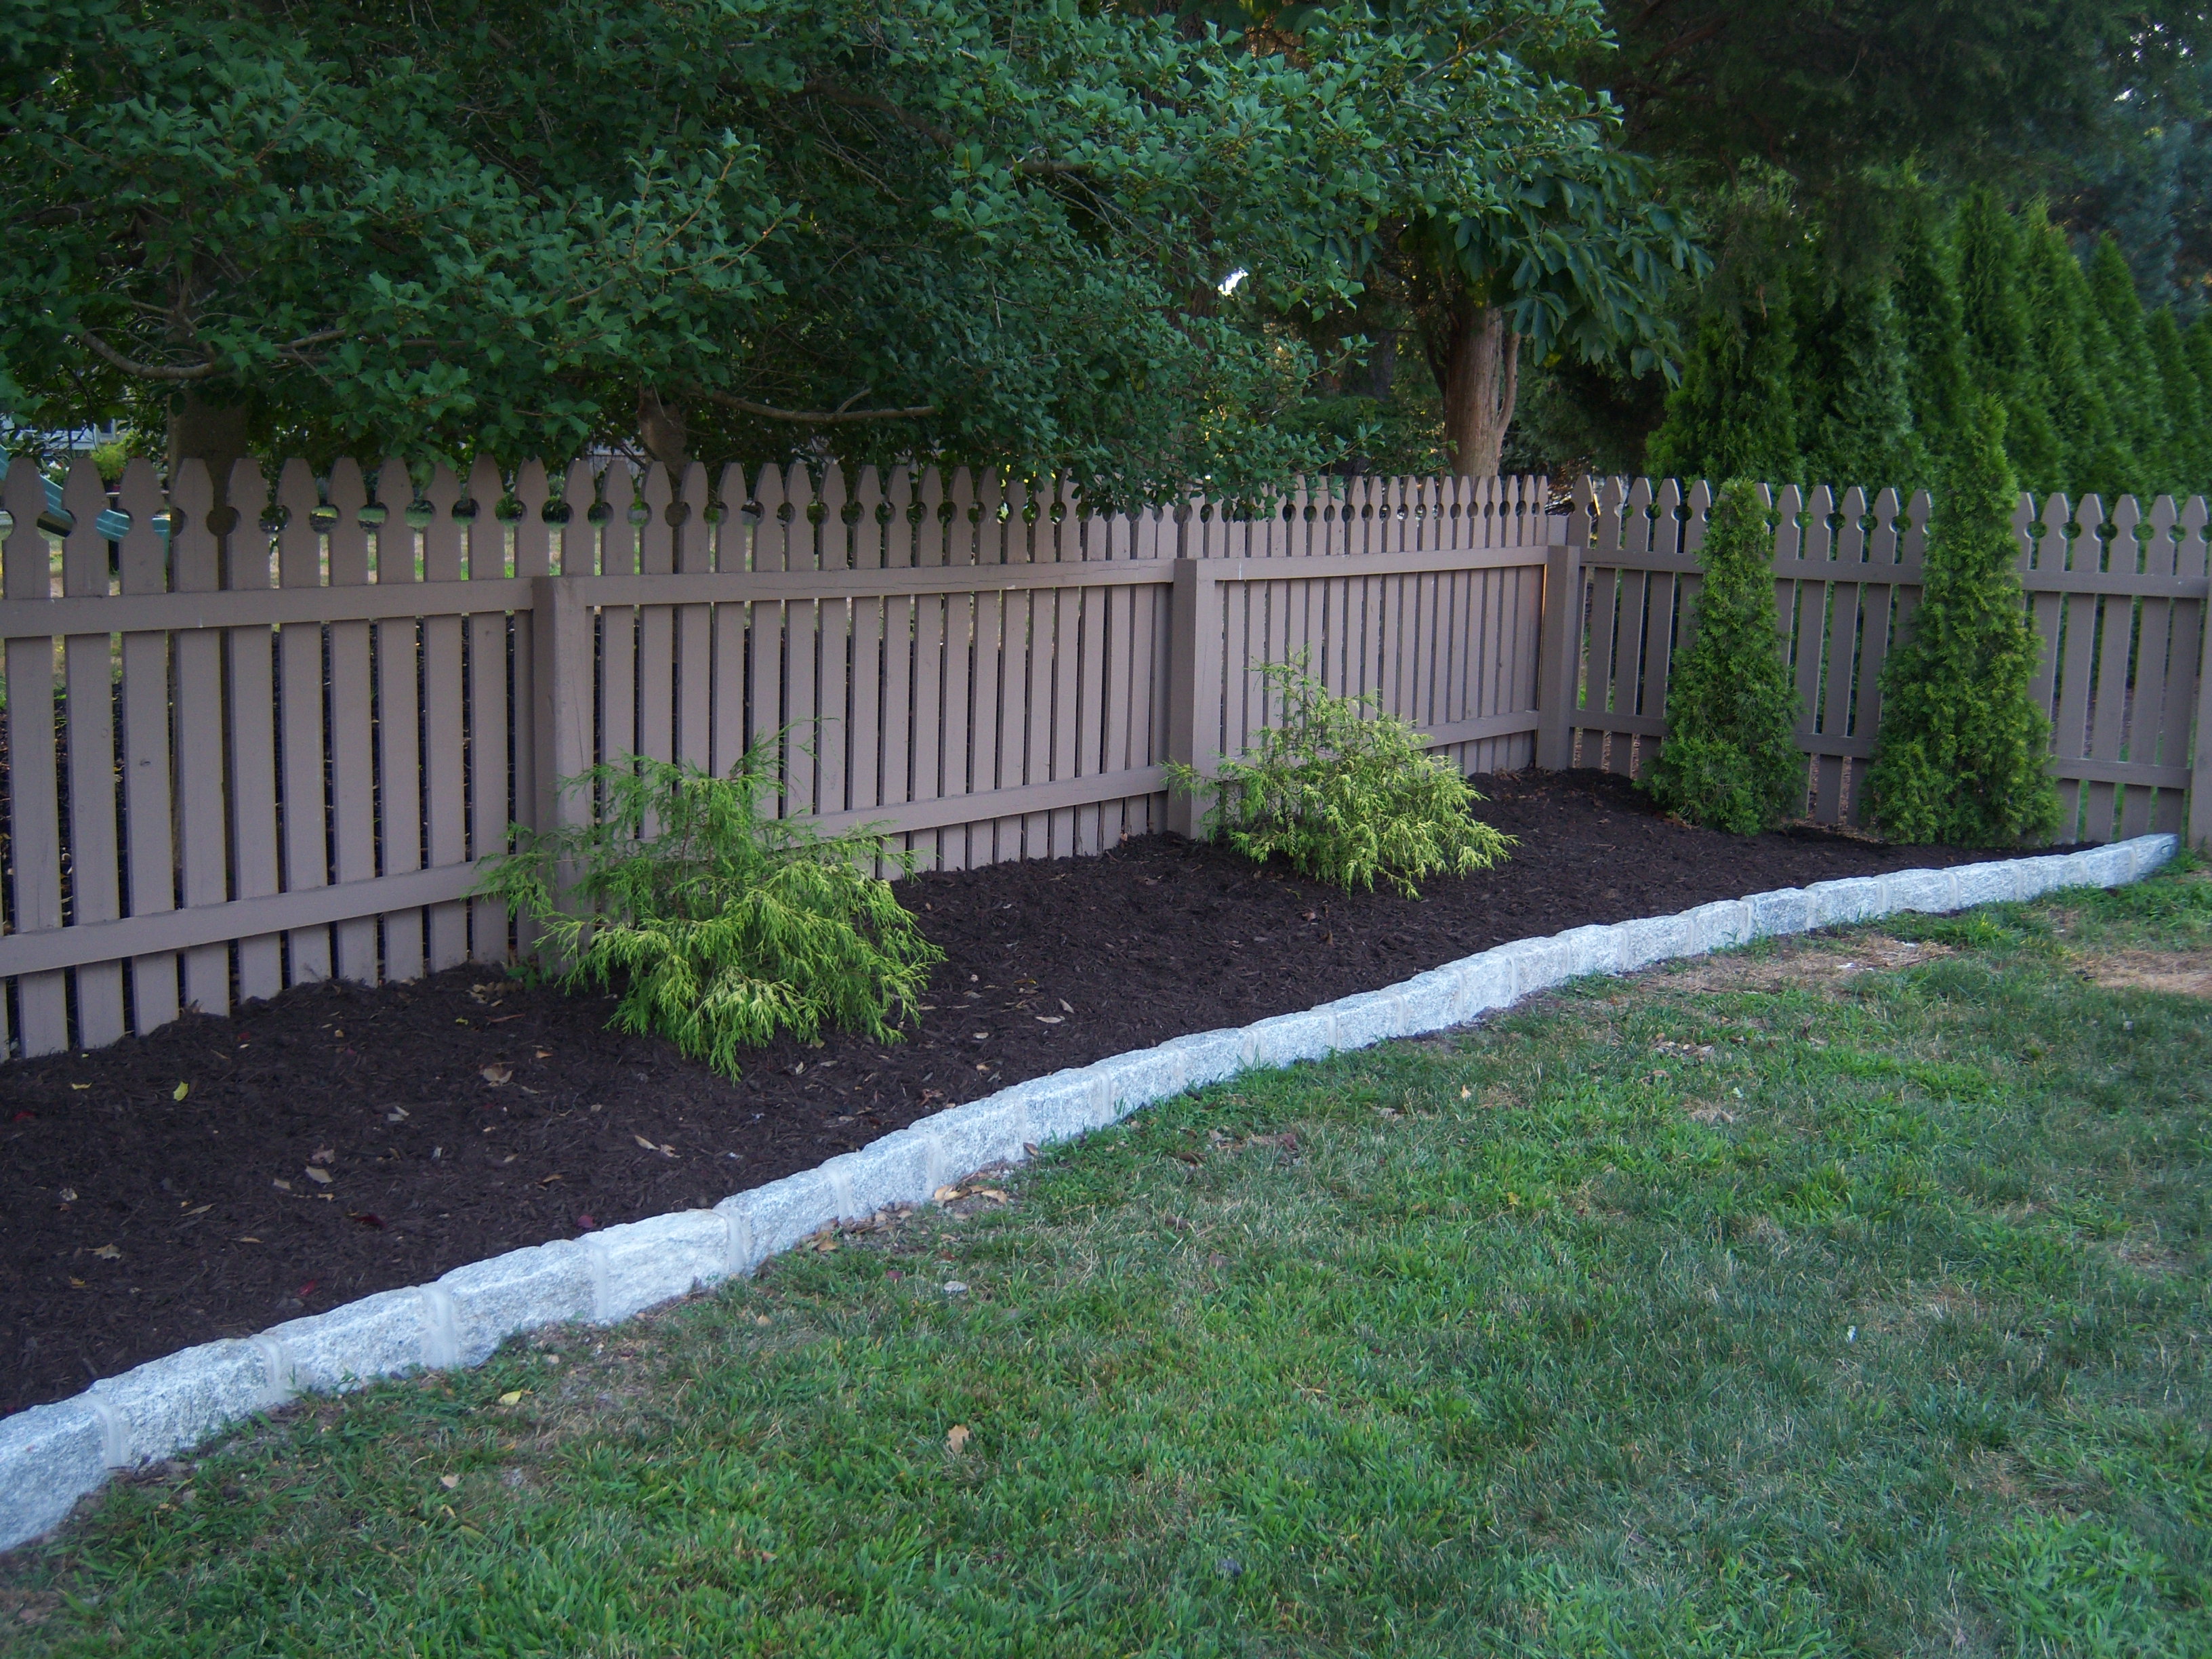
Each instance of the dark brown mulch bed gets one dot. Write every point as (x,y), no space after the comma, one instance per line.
(467,1115)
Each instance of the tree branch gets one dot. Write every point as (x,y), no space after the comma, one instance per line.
(200,371)
(840,417)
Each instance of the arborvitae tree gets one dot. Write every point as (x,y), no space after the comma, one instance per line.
(2188,468)
(2072,348)
(1735,415)
(1854,413)
(1959,755)
(1730,761)
(2001,359)
(1933,323)
(2133,388)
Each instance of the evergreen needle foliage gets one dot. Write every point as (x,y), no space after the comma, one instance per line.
(1347,794)
(1731,761)
(715,924)
(1960,754)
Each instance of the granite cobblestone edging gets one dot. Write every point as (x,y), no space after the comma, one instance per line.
(51,1455)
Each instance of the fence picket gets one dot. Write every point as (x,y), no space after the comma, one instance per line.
(148,779)
(444,721)
(41,1024)
(89,662)
(250,683)
(489,687)
(301,806)
(202,759)
(352,764)
(399,647)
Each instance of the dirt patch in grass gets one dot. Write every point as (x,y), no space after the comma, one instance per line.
(220,1175)
(2185,973)
(1800,961)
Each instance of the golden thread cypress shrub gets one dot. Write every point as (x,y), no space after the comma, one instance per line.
(715,925)
(1345,793)
(1959,755)
(1730,760)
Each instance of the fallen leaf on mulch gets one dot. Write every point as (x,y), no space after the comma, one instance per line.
(320,1177)
(108,1253)
(180,1091)
(496,1075)
(664,1149)
(957,1439)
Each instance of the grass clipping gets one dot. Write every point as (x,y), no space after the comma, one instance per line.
(715,925)
(1345,793)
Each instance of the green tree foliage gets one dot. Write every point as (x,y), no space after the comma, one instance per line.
(965,229)
(1960,754)
(1345,793)
(1735,414)
(716,926)
(1730,760)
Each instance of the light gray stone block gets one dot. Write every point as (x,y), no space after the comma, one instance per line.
(1288,1038)
(1840,903)
(180,1399)
(1366,1019)
(1992,883)
(488,1302)
(379,1336)
(1536,964)
(1721,926)
(1140,1078)
(642,1264)
(777,1216)
(1488,980)
(1208,1057)
(1427,1001)
(1929,892)
(2149,853)
(1071,1103)
(50,1456)
(1652,939)
(2102,866)
(1593,950)
(1782,911)
(891,1170)
(993,1130)
(2047,873)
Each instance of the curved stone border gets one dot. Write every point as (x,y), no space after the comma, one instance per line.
(51,1455)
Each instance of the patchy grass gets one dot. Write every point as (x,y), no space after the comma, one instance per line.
(1838,1297)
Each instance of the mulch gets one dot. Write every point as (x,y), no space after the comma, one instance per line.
(336,1140)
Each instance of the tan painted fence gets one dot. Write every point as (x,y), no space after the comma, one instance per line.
(241,761)
(238,761)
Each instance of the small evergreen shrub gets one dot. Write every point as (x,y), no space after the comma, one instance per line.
(1346,795)
(715,924)
(1959,758)
(1730,761)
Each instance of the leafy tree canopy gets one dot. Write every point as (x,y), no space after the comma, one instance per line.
(967,229)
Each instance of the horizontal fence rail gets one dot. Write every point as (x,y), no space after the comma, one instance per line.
(269,745)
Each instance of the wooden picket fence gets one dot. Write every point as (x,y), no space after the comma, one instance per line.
(241,758)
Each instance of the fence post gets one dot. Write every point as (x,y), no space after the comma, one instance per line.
(1560,659)
(1194,686)
(561,671)
(2200,770)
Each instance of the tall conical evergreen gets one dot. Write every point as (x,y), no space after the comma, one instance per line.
(1932,323)
(2186,468)
(2134,391)
(2001,361)
(2072,349)
(1959,752)
(1855,412)
(1735,414)
(1730,760)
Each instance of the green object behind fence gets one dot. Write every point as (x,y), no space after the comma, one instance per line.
(716,925)
(1731,761)
(1344,793)
(1959,755)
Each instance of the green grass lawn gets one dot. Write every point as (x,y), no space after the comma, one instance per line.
(1844,1295)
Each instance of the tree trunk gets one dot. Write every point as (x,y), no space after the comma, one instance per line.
(662,429)
(206,432)
(1481,379)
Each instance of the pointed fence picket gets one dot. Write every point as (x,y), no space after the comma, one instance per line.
(258,746)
